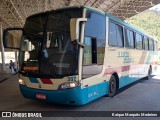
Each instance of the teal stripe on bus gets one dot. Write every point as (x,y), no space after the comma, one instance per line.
(33,80)
(74,96)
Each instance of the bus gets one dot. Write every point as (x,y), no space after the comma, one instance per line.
(75,55)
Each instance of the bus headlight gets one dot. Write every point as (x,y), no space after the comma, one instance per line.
(21,82)
(69,85)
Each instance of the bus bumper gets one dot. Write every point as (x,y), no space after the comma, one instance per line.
(72,96)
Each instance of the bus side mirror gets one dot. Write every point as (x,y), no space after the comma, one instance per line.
(12,38)
(74,27)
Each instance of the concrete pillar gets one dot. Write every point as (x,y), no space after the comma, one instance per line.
(16,55)
(2,49)
(16,59)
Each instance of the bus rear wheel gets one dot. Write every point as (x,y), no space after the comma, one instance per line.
(112,86)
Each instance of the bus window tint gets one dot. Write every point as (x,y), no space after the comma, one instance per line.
(95,40)
(119,30)
(145,43)
(115,35)
(88,51)
(151,48)
(112,34)
(139,44)
(95,31)
(155,46)
(95,25)
(100,51)
(129,38)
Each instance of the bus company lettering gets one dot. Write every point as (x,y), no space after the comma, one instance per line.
(126,57)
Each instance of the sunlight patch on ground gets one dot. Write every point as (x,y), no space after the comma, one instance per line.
(156,77)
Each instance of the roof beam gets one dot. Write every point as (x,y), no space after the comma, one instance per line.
(14,12)
(113,5)
(11,8)
(67,2)
(4,23)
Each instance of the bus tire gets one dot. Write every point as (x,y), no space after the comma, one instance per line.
(149,73)
(112,86)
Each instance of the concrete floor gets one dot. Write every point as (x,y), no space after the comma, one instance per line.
(143,95)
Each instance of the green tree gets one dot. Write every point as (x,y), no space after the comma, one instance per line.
(148,22)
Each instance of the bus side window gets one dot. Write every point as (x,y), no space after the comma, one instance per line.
(129,38)
(155,46)
(90,51)
(145,43)
(95,40)
(151,47)
(115,34)
(139,43)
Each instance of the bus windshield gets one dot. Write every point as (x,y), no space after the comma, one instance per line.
(47,50)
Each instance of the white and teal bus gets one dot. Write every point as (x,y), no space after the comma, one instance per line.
(75,55)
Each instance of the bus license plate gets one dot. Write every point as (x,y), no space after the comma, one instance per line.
(41,96)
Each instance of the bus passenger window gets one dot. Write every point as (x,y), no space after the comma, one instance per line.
(145,43)
(129,38)
(138,43)
(115,35)
(155,46)
(112,34)
(151,47)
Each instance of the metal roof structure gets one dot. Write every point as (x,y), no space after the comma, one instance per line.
(14,12)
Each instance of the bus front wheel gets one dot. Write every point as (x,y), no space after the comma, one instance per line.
(112,86)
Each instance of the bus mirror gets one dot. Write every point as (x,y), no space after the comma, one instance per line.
(12,38)
(74,27)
